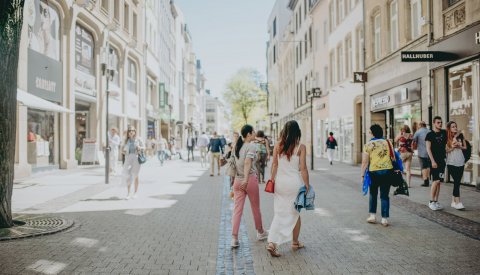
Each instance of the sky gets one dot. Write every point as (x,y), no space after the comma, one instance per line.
(227,35)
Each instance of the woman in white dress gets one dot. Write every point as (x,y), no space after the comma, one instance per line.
(289,171)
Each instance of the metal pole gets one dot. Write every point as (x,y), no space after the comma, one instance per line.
(311,131)
(107,148)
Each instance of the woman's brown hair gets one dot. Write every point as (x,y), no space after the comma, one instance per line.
(450,134)
(289,138)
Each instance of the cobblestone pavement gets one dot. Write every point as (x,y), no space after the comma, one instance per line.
(180,224)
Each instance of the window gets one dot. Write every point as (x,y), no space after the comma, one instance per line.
(126,16)
(348,56)
(105,5)
(352,4)
(296,61)
(300,17)
(415,15)
(325,32)
(376,37)
(347,6)
(341,11)
(274,54)
(116,11)
(132,76)
(300,53)
(305,44)
(305,9)
(452,2)
(325,78)
(316,39)
(359,49)
(332,68)
(301,93)
(340,63)
(274,27)
(332,17)
(296,22)
(134,27)
(393,25)
(311,38)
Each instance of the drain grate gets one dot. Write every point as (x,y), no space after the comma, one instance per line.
(34,225)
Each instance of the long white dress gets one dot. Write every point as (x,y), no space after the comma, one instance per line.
(287,183)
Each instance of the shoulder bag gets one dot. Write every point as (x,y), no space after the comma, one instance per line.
(397,178)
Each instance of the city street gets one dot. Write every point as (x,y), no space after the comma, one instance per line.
(180,224)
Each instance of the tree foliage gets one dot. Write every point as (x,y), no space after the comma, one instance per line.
(245,97)
(11,19)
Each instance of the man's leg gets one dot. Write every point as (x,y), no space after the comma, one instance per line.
(212,163)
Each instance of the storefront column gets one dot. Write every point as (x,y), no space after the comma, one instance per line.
(22,168)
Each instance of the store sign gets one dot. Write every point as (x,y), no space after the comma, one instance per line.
(427,56)
(84,62)
(409,92)
(359,77)
(44,67)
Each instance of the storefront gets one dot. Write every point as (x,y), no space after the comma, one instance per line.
(396,107)
(457,91)
(45,85)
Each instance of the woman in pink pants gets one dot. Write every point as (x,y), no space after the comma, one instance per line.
(246,184)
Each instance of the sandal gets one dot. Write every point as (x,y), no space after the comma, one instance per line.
(273,250)
(298,245)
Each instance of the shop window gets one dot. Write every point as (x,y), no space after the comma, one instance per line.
(41,138)
(408,115)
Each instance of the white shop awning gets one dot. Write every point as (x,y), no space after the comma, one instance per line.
(36,102)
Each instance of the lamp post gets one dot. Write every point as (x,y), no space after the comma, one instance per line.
(316,93)
(109,65)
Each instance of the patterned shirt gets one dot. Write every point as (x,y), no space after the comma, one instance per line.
(248,150)
(379,154)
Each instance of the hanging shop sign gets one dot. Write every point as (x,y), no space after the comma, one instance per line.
(427,56)
(359,77)
(44,67)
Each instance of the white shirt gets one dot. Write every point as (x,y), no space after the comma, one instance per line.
(203,141)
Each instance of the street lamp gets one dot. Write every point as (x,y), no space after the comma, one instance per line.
(316,93)
(109,64)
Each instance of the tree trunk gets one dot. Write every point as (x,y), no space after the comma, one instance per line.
(11,18)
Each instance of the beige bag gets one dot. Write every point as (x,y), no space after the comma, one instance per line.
(231,167)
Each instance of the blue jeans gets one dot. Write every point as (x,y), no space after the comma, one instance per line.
(383,182)
(161,156)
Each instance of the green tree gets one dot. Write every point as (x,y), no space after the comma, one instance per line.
(11,19)
(245,97)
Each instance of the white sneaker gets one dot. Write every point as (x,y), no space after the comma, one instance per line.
(439,206)
(432,206)
(134,196)
(262,236)
(371,219)
(235,243)
(128,197)
(459,206)
(384,222)
(453,205)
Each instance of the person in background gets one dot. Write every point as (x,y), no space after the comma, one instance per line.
(190,147)
(202,144)
(216,149)
(455,161)
(114,141)
(436,147)
(331,146)
(161,147)
(132,147)
(263,155)
(376,157)
(421,146)
(404,140)
(148,146)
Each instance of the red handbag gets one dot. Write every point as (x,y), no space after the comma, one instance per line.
(270,186)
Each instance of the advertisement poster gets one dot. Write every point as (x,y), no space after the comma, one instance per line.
(43,28)
(84,61)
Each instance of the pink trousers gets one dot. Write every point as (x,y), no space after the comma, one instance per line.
(253,197)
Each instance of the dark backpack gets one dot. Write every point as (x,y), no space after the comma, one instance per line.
(467,153)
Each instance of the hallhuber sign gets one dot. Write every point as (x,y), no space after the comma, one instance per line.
(427,56)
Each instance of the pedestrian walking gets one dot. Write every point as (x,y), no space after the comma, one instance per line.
(161,147)
(215,148)
(246,184)
(377,158)
(331,146)
(421,146)
(263,155)
(455,161)
(290,173)
(202,144)
(436,141)
(404,140)
(190,147)
(132,147)
(149,146)
(114,141)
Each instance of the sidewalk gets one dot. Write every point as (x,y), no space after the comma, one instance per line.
(469,195)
